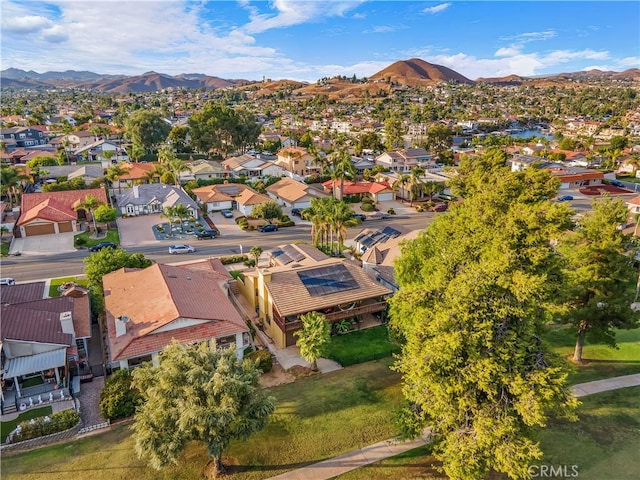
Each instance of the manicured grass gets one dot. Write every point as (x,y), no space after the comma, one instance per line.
(56,282)
(604,443)
(9,426)
(361,346)
(4,248)
(32,382)
(112,236)
(316,418)
(600,361)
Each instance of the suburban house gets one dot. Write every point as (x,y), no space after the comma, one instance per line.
(633,204)
(302,279)
(79,139)
(404,160)
(137,172)
(376,191)
(104,151)
(380,248)
(570,177)
(54,212)
(205,170)
(292,193)
(297,162)
(89,173)
(153,198)
(249,166)
(44,339)
(248,199)
(190,304)
(23,137)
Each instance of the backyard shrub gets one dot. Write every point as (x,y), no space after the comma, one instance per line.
(233,259)
(250,262)
(366,200)
(81,241)
(367,207)
(39,427)
(262,359)
(118,399)
(391,211)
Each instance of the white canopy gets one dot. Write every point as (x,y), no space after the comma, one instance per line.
(35,363)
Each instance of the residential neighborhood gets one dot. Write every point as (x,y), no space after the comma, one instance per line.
(260,278)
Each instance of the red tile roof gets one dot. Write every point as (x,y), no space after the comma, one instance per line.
(354,188)
(56,206)
(173,294)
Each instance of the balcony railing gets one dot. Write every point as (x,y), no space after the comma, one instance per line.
(332,317)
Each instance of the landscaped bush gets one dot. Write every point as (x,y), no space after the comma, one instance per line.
(250,262)
(81,241)
(262,359)
(39,427)
(192,219)
(367,207)
(366,200)
(118,399)
(233,259)
(391,211)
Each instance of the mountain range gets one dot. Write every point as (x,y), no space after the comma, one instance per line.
(413,72)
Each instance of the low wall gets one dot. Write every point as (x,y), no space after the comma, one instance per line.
(40,441)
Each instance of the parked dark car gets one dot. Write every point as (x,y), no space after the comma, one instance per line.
(207,234)
(296,212)
(440,207)
(99,246)
(360,216)
(616,183)
(565,198)
(268,228)
(226,213)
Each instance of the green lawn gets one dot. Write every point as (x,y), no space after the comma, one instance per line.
(56,282)
(604,443)
(7,427)
(112,236)
(316,418)
(361,346)
(600,361)
(4,248)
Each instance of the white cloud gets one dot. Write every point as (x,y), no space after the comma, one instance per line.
(26,24)
(382,29)
(507,52)
(437,8)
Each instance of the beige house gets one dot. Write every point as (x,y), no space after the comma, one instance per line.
(187,303)
(302,279)
(292,193)
(297,162)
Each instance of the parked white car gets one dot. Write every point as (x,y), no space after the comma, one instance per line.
(7,281)
(175,249)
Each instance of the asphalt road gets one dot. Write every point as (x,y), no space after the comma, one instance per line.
(32,267)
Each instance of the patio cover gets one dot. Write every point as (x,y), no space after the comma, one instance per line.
(35,363)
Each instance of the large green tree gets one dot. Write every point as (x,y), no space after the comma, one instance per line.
(600,276)
(105,261)
(313,338)
(394,129)
(267,211)
(197,393)
(147,129)
(439,138)
(475,291)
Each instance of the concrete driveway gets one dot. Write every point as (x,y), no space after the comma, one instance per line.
(136,231)
(44,244)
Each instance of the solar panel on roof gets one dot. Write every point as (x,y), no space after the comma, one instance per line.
(327,280)
(230,189)
(295,255)
(359,237)
(391,232)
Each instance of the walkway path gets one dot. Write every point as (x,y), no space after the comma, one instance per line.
(388,448)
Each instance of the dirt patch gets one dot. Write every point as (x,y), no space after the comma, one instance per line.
(277,376)
(600,189)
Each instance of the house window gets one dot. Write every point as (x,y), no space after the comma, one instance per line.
(138,361)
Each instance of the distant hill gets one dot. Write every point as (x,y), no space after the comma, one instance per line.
(508,80)
(416,72)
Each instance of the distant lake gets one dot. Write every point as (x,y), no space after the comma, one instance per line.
(530,134)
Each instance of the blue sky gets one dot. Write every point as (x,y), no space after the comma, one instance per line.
(307,40)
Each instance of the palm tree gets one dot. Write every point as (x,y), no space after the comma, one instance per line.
(169,213)
(342,168)
(342,218)
(255,252)
(416,183)
(318,214)
(176,167)
(182,212)
(113,173)
(402,181)
(150,175)
(313,338)
(89,205)
(9,178)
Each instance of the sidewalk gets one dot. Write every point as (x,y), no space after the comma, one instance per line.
(388,448)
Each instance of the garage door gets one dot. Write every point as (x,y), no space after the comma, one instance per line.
(44,229)
(385,197)
(65,227)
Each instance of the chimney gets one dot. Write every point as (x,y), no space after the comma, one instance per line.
(136,193)
(66,322)
(121,325)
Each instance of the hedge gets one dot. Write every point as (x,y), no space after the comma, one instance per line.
(262,359)
(39,427)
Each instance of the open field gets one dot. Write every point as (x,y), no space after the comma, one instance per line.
(316,418)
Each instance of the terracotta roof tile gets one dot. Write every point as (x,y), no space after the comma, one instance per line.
(56,206)
(191,292)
